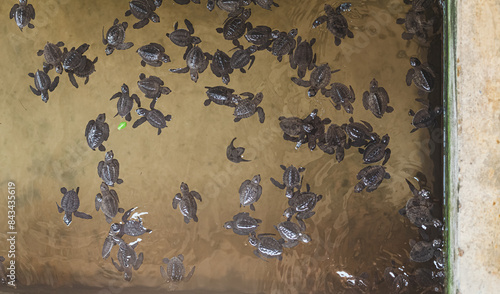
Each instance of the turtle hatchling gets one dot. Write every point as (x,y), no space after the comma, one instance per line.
(336,23)
(109,169)
(196,61)
(236,26)
(291,179)
(43,84)
(341,96)
(23,13)
(53,56)
(243,224)
(96,132)
(184,38)
(175,270)
(303,57)
(153,54)
(220,95)
(267,247)
(70,204)
(128,259)
(376,100)
(221,66)
(283,43)
(129,226)
(302,204)
(266,4)
(154,117)
(247,107)
(424,250)
(421,75)
(187,203)
(107,201)
(260,36)
(144,11)
(126,102)
(335,142)
(235,154)
(425,117)
(242,57)
(115,37)
(371,177)
(359,133)
(376,151)
(250,192)
(152,87)
(292,234)
(319,79)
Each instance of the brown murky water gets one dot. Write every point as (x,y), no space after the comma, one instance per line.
(44,148)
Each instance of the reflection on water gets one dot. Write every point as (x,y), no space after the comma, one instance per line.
(355,236)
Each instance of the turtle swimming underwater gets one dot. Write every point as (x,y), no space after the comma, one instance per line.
(336,23)
(376,100)
(184,38)
(70,204)
(128,259)
(154,117)
(187,203)
(144,11)
(115,37)
(291,179)
(96,132)
(109,169)
(175,270)
(53,56)
(235,154)
(196,63)
(247,107)
(319,79)
(43,84)
(107,201)
(267,246)
(153,54)
(22,13)
(126,102)
(243,224)
(421,75)
(152,87)
(371,177)
(425,117)
(250,192)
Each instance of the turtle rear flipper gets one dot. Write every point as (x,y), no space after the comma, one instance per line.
(188,277)
(141,23)
(119,267)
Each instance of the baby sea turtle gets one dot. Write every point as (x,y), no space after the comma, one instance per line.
(242,57)
(115,37)
(292,234)
(125,103)
(235,26)
(260,36)
(371,177)
(97,131)
(128,259)
(294,129)
(70,204)
(359,133)
(317,132)
(43,84)
(221,66)
(423,251)
(83,72)
(220,95)
(335,142)
(267,246)
(175,270)
(425,117)
(341,96)
(53,56)
(23,13)
(303,57)
(247,107)
(416,24)
(421,75)
(418,209)
(154,117)
(152,87)
(376,100)
(266,4)
(129,227)
(336,23)
(291,179)
(75,63)
(376,151)
(187,203)
(302,204)
(235,154)
(250,192)
(184,38)
(319,79)
(109,169)
(197,62)
(234,7)
(243,224)
(107,201)
(153,54)
(283,43)
(144,11)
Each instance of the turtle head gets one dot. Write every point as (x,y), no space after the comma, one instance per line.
(101,117)
(312,92)
(45,96)
(59,68)
(125,89)
(437,110)
(289,193)
(109,50)
(414,61)
(293,33)
(109,155)
(104,187)
(228,225)
(288,213)
(23,2)
(253,240)
(114,229)
(246,13)
(158,3)
(256,179)
(154,17)
(373,84)
(165,58)
(184,187)
(304,238)
(141,111)
(385,139)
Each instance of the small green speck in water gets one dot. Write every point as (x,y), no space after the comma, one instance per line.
(122,125)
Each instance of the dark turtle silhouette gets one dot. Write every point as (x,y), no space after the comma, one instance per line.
(220,95)
(425,117)
(359,133)
(291,179)
(303,57)
(267,247)
(184,38)
(242,57)
(196,61)
(70,204)
(335,141)
(75,63)
(376,151)
(336,23)
(187,203)
(129,226)
(423,251)
(152,87)
(371,177)
(43,84)
(421,75)
(341,96)
(128,259)
(292,234)
(96,132)
(235,154)
(144,11)
(23,13)
(115,37)
(109,169)
(376,100)
(107,201)
(302,204)
(250,192)
(243,224)
(53,56)
(283,43)
(153,54)
(266,4)
(154,117)
(260,36)
(247,107)
(175,270)
(126,102)
(319,79)
(221,66)
(236,26)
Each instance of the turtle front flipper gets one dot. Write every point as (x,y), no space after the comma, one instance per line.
(107,246)
(188,277)
(277,184)
(141,23)
(72,79)
(180,70)
(35,91)
(139,122)
(139,260)
(82,215)
(59,208)
(262,115)
(164,275)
